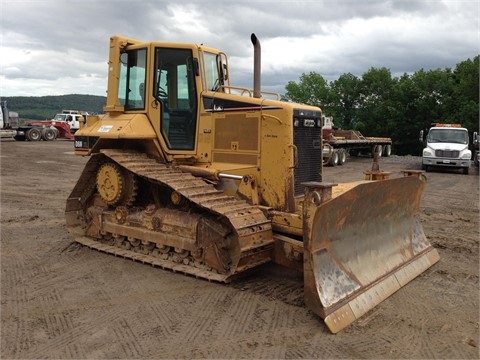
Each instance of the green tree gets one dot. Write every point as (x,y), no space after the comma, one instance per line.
(465,99)
(375,101)
(406,128)
(345,95)
(422,99)
(45,107)
(395,107)
(312,89)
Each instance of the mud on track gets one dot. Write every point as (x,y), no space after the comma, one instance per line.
(61,300)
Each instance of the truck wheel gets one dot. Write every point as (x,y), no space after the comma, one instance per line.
(49,134)
(387,150)
(334,158)
(377,149)
(327,149)
(34,134)
(342,156)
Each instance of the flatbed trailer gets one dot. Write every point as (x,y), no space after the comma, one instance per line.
(49,130)
(338,144)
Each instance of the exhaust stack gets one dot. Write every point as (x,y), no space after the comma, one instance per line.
(257,64)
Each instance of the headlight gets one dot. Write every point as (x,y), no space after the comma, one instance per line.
(427,152)
(467,155)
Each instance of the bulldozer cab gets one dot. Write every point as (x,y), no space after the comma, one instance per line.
(173,87)
(178,75)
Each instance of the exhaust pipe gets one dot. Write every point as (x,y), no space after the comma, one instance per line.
(257,57)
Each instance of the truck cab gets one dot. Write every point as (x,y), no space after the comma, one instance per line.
(476,148)
(72,117)
(447,145)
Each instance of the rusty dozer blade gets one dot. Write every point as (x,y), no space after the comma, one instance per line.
(361,246)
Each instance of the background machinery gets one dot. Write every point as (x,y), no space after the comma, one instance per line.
(34,130)
(447,146)
(339,143)
(8,121)
(476,148)
(190,173)
(72,117)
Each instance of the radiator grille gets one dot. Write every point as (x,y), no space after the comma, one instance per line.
(447,153)
(307,132)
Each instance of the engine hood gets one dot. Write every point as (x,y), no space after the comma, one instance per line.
(447,146)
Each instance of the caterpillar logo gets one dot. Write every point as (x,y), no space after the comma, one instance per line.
(309,123)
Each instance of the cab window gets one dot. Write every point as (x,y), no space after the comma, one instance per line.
(211,71)
(175,90)
(131,89)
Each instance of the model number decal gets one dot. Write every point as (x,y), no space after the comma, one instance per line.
(105,128)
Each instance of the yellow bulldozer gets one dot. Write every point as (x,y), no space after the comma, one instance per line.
(189,173)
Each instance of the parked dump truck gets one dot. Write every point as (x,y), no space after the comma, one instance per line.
(447,146)
(338,143)
(189,173)
(32,130)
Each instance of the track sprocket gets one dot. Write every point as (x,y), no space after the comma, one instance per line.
(115,185)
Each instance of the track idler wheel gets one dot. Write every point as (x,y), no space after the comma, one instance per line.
(115,185)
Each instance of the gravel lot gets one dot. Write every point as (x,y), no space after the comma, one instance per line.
(60,300)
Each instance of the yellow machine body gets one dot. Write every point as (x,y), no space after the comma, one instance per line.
(192,174)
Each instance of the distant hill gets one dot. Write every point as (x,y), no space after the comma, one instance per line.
(45,107)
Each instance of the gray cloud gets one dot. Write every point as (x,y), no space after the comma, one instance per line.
(61,46)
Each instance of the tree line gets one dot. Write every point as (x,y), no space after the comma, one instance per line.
(377,104)
(45,107)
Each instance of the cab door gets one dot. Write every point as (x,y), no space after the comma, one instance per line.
(175,90)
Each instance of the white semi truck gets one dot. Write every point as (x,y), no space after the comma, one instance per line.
(8,121)
(72,117)
(446,145)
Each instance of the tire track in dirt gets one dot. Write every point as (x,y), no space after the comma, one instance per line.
(12,311)
(287,285)
(128,339)
(166,320)
(82,332)
(241,309)
(418,318)
(51,314)
(202,315)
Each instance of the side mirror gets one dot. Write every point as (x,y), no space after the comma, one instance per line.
(475,138)
(124,58)
(420,137)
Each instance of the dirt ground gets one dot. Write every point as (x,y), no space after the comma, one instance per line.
(60,300)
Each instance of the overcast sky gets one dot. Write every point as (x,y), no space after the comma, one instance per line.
(59,47)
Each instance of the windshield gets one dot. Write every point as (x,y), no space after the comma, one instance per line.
(211,69)
(131,89)
(457,136)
